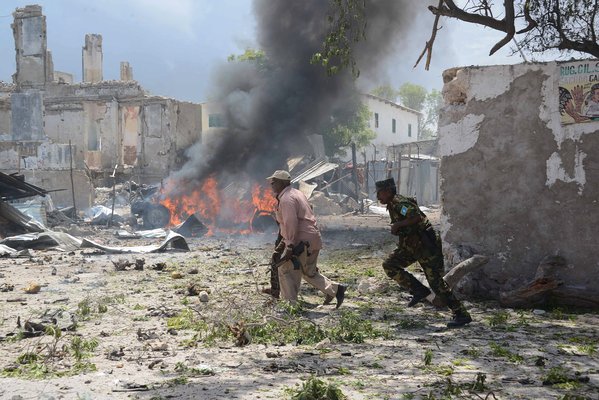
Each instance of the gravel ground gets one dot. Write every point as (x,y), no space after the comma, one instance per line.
(168,330)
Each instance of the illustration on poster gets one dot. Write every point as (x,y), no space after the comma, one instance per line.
(591,102)
(579,92)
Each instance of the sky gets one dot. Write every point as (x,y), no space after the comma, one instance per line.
(175,46)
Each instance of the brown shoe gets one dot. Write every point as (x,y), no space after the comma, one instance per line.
(273,293)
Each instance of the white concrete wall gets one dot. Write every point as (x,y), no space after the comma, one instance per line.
(387,111)
(210,109)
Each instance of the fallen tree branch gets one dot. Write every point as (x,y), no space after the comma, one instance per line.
(456,274)
(533,294)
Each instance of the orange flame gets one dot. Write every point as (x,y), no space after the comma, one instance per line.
(217,210)
(263,198)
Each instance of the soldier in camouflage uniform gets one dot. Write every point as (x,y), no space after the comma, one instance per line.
(418,242)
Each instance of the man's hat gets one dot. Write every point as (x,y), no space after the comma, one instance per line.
(280,174)
(386,184)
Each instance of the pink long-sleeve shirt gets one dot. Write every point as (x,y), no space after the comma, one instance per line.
(296,219)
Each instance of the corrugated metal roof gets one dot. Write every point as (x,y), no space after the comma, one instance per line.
(14,187)
(314,170)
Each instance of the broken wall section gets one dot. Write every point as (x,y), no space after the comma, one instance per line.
(50,126)
(29,30)
(116,122)
(107,123)
(516,184)
(92,59)
(167,128)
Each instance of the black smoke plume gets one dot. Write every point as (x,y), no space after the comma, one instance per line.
(269,112)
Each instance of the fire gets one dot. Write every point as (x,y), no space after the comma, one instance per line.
(229,209)
(263,198)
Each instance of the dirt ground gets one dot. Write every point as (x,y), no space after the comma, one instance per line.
(165,331)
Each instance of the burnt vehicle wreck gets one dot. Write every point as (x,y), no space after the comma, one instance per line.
(157,209)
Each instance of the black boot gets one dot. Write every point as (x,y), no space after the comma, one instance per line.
(459,319)
(419,295)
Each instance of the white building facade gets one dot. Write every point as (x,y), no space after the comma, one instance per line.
(393,124)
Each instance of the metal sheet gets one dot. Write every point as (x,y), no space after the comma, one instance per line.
(176,241)
(62,241)
(314,171)
(13,215)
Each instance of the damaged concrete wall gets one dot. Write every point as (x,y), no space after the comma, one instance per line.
(106,122)
(168,127)
(27,121)
(516,184)
(47,165)
(188,128)
(131,137)
(6,91)
(101,134)
(29,30)
(92,59)
(63,77)
(126,71)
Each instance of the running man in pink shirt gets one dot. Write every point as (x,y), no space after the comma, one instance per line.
(297,226)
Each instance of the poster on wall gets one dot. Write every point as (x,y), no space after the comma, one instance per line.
(579,91)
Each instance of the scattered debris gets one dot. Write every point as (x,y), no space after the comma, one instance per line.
(6,287)
(121,264)
(239,331)
(116,354)
(5,250)
(159,266)
(192,289)
(203,296)
(548,288)
(131,387)
(32,288)
(43,240)
(154,363)
(176,241)
(146,335)
(139,264)
(191,227)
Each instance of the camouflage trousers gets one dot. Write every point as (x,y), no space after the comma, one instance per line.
(431,262)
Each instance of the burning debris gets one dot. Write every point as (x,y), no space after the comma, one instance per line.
(233,208)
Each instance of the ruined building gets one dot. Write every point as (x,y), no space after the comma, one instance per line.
(50,126)
(519,151)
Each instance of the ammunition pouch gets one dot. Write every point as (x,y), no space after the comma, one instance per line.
(429,239)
